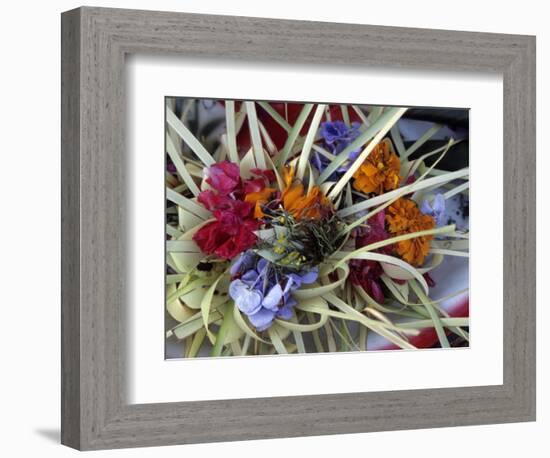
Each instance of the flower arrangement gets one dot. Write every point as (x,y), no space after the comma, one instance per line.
(316,231)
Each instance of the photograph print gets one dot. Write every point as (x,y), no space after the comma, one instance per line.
(299,227)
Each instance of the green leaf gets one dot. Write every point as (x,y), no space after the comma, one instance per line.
(461,254)
(182,246)
(433,315)
(331,342)
(374,114)
(173,231)
(276,341)
(205,305)
(189,138)
(345,115)
(293,134)
(246,329)
(423,139)
(350,313)
(175,308)
(192,325)
(196,345)
(318,302)
(246,344)
(269,255)
(418,163)
(174,278)
(231,131)
(298,336)
(315,290)
(188,204)
(248,163)
(397,140)
(180,166)
(187,220)
(316,335)
(221,337)
(185,262)
(456,190)
(447,322)
(255,134)
(275,115)
(185,287)
(310,138)
(361,115)
(363,334)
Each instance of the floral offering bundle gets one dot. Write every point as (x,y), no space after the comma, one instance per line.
(307,231)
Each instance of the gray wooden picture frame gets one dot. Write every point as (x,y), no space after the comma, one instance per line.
(95,41)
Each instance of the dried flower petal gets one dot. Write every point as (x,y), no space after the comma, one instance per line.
(224,177)
(379,172)
(404,217)
(312,205)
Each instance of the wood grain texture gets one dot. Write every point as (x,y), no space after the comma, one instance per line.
(95,412)
(70,224)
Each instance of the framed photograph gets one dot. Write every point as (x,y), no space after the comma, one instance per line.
(284,228)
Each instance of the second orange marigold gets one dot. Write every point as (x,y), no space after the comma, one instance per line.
(404,217)
(380,171)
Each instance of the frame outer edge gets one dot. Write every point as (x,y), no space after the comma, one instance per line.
(70,228)
(520,232)
(532,120)
(92,391)
(526,74)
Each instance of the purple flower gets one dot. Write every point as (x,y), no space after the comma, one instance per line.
(352,156)
(258,293)
(304,278)
(436,209)
(333,132)
(262,319)
(337,136)
(249,300)
(243,263)
(272,298)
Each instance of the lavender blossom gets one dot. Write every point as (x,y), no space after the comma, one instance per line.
(337,136)
(436,209)
(258,292)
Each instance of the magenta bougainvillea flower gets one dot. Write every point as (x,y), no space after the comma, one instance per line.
(233,231)
(224,177)
(228,236)
(364,272)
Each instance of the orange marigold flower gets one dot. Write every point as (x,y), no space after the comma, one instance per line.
(404,217)
(380,171)
(258,199)
(312,205)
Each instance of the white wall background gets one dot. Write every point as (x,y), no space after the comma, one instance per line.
(29,226)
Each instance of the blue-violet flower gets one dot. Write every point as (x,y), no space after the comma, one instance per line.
(258,292)
(436,209)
